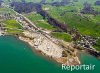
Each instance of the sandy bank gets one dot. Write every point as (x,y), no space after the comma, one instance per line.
(48,48)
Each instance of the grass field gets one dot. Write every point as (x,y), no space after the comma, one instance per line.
(12,26)
(6,10)
(62,36)
(97,46)
(87,24)
(39,21)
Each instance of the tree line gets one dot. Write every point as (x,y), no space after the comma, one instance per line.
(88,9)
(1,2)
(23,7)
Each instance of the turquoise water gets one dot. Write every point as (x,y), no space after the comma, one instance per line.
(17,57)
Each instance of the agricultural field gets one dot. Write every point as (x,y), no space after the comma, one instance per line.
(39,21)
(63,36)
(97,46)
(71,14)
(6,10)
(12,26)
(86,24)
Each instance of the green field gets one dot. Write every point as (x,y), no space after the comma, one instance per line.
(39,21)
(6,10)
(62,36)
(12,26)
(97,46)
(86,24)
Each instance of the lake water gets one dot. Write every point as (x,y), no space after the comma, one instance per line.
(17,57)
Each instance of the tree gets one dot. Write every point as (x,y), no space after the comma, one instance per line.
(43,1)
(87,8)
(23,1)
(1,2)
(21,7)
(75,0)
(97,3)
(65,2)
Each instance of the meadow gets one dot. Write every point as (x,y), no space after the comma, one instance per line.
(63,36)
(38,20)
(12,26)
(86,24)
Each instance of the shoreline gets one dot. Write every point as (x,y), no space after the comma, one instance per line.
(50,58)
(37,52)
(59,60)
